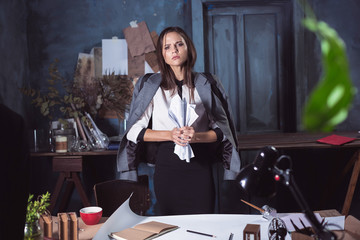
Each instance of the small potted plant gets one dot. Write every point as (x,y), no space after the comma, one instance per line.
(35,208)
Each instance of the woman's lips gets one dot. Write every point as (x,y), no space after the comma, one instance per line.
(175,57)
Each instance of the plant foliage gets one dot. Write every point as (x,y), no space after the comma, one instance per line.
(83,94)
(329,102)
(116,92)
(53,99)
(35,208)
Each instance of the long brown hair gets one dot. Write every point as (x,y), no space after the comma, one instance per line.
(167,74)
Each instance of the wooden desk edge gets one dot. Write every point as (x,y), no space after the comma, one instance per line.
(89,153)
(351,226)
(295,140)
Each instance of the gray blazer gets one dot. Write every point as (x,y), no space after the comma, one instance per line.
(142,96)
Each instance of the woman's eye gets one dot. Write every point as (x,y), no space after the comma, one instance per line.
(180,44)
(166,47)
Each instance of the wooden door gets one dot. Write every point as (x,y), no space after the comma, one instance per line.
(248,45)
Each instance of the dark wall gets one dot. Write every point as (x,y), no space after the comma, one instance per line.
(34,33)
(14,63)
(62,29)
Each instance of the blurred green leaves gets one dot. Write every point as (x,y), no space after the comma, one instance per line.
(329,103)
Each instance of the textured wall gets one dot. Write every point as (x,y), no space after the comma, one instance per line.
(62,29)
(14,63)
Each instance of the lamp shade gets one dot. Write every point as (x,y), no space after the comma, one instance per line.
(257,178)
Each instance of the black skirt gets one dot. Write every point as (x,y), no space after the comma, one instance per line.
(181,187)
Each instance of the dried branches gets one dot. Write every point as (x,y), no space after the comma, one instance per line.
(116,92)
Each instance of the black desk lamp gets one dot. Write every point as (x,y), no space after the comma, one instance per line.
(258,178)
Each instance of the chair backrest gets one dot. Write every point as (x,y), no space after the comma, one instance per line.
(111,194)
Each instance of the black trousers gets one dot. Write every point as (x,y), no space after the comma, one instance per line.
(181,187)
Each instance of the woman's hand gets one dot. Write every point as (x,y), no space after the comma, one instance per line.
(182,136)
(187,133)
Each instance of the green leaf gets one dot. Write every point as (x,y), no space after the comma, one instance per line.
(330,101)
(35,208)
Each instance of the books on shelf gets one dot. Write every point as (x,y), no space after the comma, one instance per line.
(144,231)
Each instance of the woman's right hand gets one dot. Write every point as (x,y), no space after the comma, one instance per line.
(176,137)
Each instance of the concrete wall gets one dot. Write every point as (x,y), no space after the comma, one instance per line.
(34,33)
(62,29)
(14,63)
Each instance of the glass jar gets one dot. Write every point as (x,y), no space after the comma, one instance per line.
(32,231)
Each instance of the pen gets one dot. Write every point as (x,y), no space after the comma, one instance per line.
(205,234)
(231,236)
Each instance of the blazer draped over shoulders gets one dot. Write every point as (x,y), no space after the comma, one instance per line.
(142,96)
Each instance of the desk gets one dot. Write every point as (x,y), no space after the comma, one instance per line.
(220,225)
(69,165)
(302,140)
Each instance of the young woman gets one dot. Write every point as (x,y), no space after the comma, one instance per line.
(181,187)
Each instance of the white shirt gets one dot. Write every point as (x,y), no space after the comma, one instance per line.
(159,107)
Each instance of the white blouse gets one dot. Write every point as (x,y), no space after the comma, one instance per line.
(159,107)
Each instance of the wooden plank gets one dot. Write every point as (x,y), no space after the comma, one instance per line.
(67,164)
(66,196)
(351,186)
(56,192)
(89,153)
(292,140)
(80,189)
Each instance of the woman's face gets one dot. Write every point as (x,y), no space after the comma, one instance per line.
(174,49)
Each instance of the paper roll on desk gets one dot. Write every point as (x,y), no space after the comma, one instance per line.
(121,219)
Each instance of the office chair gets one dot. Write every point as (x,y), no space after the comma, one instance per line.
(109,195)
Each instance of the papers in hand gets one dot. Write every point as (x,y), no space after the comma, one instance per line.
(183,114)
(144,231)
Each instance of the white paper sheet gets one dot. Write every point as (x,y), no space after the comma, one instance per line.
(220,225)
(121,219)
(114,56)
(335,223)
(183,114)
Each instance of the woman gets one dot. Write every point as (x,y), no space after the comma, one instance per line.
(181,187)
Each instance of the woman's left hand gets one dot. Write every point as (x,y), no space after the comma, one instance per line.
(187,133)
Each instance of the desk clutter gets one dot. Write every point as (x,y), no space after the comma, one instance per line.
(216,225)
(336,140)
(68,226)
(251,232)
(144,231)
